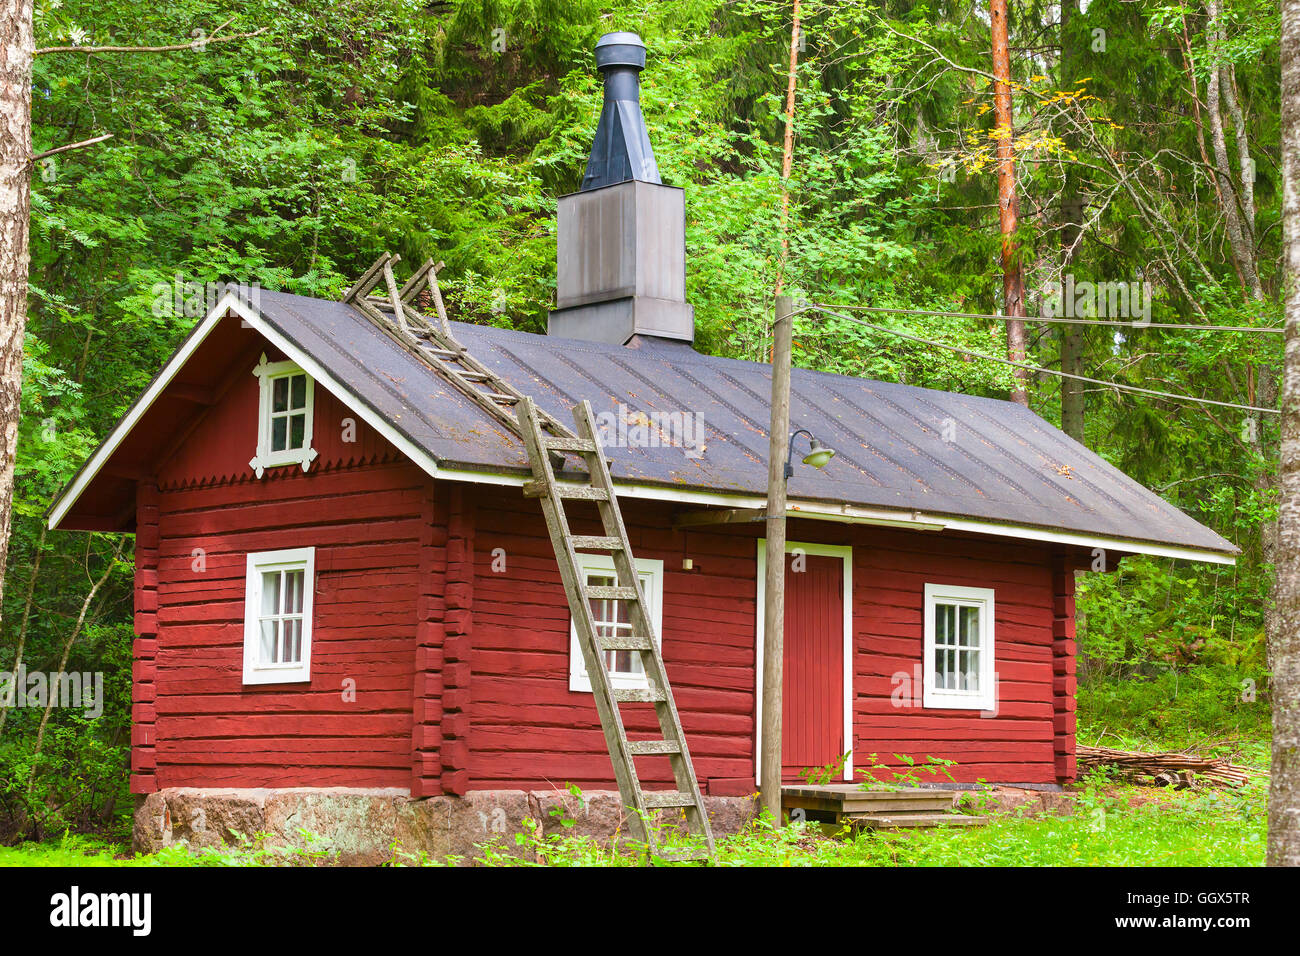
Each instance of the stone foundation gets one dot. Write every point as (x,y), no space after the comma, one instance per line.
(358,827)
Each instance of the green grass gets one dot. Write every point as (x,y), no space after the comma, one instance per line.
(1209,828)
(1175,829)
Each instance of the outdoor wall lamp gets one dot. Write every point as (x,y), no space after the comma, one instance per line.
(818,454)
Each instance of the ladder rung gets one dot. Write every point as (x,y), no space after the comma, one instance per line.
(473,376)
(561,443)
(643,747)
(602,592)
(624,643)
(502,398)
(596,542)
(668,798)
(637,695)
(537,489)
(682,856)
(440,352)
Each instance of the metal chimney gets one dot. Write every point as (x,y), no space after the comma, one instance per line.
(622,149)
(621,239)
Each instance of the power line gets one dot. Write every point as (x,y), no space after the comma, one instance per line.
(1046,371)
(1056,321)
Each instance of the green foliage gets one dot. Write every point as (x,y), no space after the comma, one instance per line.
(294,157)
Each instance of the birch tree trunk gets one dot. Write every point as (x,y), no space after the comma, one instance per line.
(1013,281)
(1284,640)
(16,45)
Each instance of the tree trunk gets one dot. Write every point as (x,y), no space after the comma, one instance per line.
(1072,401)
(16,45)
(787,149)
(1013,282)
(1284,640)
(1243,251)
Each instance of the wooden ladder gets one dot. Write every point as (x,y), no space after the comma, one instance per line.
(599,488)
(547,442)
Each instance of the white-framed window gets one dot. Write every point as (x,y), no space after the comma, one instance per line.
(277,616)
(612,619)
(959,669)
(284,416)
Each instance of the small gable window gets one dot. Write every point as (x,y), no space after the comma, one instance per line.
(284,417)
(612,620)
(277,616)
(959,647)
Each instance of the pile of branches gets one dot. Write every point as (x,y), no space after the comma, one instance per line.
(1178,770)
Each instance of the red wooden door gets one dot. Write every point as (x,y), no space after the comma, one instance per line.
(812,716)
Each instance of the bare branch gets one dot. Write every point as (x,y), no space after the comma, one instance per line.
(63,149)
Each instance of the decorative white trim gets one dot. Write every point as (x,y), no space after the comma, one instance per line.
(845,553)
(797,508)
(293,559)
(267,373)
(652,568)
(986,697)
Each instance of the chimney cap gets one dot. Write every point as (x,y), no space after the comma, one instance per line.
(620,49)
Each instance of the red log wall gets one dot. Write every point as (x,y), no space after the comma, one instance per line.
(459,651)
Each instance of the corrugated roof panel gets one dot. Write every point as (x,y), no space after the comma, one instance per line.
(897,446)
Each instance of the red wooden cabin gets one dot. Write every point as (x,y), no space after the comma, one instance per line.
(340,584)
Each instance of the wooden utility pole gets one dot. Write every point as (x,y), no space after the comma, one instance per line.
(1013,281)
(1284,639)
(774,583)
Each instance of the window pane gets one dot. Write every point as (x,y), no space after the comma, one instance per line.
(297,429)
(970,670)
(293,641)
(941,623)
(970,626)
(270,642)
(293,592)
(940,681)
(270,593)
(279,433)
(299,391)
(279,394)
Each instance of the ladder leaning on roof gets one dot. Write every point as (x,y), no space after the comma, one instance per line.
(548,442)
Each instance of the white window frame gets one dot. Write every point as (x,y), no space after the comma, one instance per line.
(267,373)
(654,594)
(986,697)
(293,559)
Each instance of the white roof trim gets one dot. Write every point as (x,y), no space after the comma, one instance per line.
(796,507)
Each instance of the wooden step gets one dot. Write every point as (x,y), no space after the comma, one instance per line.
(537,489)
(595,542)
(604,592)
(501,398)
(657,800)
(908,821)
(682,856)
(643,747)
(624,642)
(570,444)
(637,695)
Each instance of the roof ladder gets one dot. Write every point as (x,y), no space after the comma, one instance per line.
(599,488)
(547,442)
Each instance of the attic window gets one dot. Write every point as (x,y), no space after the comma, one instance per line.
(959,647)
(277,616)
(612,620)
(284,416)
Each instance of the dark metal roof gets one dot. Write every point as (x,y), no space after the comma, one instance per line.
(1001,462)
